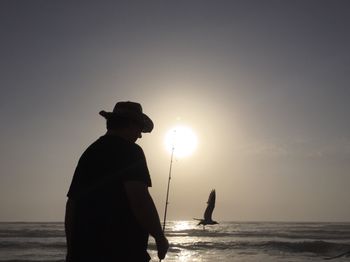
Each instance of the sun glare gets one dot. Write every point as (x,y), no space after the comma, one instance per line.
(182,140)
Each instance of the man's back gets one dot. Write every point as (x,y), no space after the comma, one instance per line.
(103,221)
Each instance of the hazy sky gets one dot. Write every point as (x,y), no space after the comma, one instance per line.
(264,84)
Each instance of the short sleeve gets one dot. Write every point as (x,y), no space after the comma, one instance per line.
(136,166)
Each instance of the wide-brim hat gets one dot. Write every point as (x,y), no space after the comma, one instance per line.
(130,110)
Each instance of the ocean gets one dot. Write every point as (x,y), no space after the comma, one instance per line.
(227,241)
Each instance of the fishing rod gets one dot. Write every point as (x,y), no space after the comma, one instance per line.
(168,187)
(167,191)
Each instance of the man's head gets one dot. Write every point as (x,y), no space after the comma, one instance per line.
(128,115)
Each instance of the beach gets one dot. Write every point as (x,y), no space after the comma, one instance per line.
(227,241)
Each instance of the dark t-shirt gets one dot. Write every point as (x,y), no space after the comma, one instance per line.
(104,225)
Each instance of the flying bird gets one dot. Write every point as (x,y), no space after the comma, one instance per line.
(207,220)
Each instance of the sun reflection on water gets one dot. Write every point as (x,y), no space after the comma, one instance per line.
(182,225)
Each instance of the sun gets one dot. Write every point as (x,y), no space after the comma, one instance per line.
(182,140)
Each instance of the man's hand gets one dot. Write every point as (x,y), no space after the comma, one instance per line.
(162,246)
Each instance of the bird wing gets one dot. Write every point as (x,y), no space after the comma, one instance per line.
(210,206)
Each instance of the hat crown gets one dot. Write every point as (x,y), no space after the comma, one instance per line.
(131,107)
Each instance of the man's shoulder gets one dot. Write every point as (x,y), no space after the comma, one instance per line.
(120,146)
(112,147)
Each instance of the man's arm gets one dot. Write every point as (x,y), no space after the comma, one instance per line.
(143,207)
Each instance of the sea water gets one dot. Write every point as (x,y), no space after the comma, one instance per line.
(227,241)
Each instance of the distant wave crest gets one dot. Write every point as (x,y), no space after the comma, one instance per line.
(316,247)
(8,245)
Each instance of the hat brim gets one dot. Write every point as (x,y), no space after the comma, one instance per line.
(143,119)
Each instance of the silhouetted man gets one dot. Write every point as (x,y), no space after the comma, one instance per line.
(109,212)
